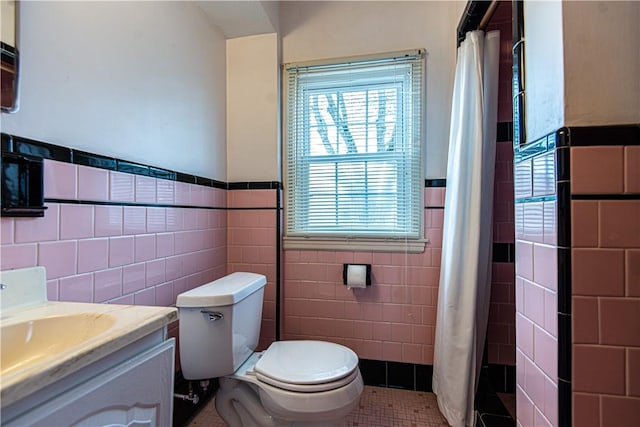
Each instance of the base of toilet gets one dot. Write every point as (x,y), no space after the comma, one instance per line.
(242,400)
(239,406)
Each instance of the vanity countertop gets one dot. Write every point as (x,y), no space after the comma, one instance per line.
(59,338)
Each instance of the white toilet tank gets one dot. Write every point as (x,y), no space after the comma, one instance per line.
(220,325)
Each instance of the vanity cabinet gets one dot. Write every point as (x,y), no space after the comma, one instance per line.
(132,387)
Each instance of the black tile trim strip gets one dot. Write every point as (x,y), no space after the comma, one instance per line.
(564,280)
(87,159)
(563,220)
(144,205)
(441,182)
(563,171)
(563,214)
(504,132)
(45,150)
(256,208)
(504,252)
(278,261)
(563,137)
(564,403)
(502,377)
(262,185)
(407,376)
(535,199)
(634,196)
(486,401)
(564,347)
(586,136)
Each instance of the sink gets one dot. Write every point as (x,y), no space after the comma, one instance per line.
(44,344)
(32,341)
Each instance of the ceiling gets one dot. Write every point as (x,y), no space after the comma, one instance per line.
(242,18)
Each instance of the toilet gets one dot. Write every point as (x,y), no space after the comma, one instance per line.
(292,383)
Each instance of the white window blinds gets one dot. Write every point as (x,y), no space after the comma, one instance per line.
(353,149)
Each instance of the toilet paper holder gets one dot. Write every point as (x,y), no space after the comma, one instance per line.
(345,272)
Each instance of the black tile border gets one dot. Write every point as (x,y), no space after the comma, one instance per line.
(144,205)
(565,403)
(432,183)
(406,376)
(502,377)
(504,132)
(564,347)
(278,264)
(563,214)
(633,196)
(504,252)
(562,139)
(586,136)
(253,185)
(45,150)
(563,170)
(564,282)
(492,380)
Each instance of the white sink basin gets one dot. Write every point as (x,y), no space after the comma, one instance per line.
(35,340)
(43,342)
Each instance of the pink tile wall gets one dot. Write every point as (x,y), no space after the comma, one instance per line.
(252,238)
(501,326)
(536,293)
(606,281)
(119,254)
(392,320)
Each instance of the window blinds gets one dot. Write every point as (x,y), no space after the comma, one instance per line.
(353,152)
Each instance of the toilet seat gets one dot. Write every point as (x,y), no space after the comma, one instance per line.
(313,388)
(307,366)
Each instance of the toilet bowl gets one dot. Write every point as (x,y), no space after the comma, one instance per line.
(292,383)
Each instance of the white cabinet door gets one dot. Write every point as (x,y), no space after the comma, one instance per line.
(136,393)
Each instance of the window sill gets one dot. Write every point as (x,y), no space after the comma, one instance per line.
(368,245)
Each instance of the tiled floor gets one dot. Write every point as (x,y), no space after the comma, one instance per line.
(379,407)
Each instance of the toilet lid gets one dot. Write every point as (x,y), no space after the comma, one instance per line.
(320,364)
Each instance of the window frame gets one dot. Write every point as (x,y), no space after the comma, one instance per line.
(359,240)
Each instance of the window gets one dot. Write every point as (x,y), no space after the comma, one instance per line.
(353,173)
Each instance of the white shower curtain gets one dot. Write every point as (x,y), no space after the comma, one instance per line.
(465,276)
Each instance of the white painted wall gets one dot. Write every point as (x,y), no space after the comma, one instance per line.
(143,81)
(316,30)
(602,62)
(582,64)
(544,68)
(253,103)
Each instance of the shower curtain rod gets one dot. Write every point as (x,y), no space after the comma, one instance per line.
(476,16)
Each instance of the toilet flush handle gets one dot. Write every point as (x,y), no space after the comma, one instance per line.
(213,315)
